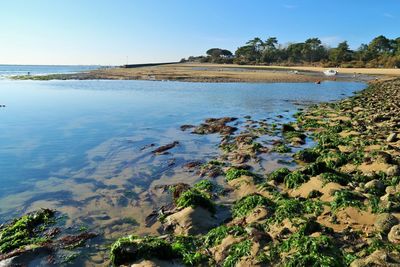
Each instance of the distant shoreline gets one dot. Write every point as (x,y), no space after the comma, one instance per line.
(220,73)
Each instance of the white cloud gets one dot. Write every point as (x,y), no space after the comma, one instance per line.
(289,6)
(331,40)
(388,15)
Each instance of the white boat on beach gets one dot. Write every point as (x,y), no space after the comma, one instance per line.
(330,72)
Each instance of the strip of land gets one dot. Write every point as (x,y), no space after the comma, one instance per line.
(221,73)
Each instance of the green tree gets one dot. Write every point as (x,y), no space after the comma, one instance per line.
(341,54)
(270,52)
(246,54)
(313,50)
(380,45)
(295,52)
(218,55)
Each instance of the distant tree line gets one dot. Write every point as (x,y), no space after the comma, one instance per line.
(380,52)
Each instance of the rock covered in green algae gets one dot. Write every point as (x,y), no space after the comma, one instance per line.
(26,230)
(132,248)
(180,248)
(37,239)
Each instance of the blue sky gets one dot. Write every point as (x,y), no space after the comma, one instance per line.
(107,32)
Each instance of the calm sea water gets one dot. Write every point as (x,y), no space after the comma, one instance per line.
(80,146)
(10,70)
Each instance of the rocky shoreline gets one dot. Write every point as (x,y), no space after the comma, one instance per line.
(340,207)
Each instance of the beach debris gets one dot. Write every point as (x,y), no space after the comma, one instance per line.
(330,72)
(164,148)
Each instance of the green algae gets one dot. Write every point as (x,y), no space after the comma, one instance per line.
(346,198)
(132,248)
(329,177)
(234,173)
(26,230)
(236,252)
(194,198)
(302,249)
(282,149)
(248,203)
(290,208)
(278,175)
(187,247)
(307,155)
(216,235)
(295,179)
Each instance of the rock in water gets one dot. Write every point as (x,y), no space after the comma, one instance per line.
(164,148)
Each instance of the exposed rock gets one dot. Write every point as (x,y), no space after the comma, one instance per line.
(192,164)
(375,184)
(393,170)
(191,221)
(164,148)
(186,126)
(288,128)
(378,258)
(221,251)
(216,125)
(384,222)
(394,234)
(392,137)
(384,157)
(390,190)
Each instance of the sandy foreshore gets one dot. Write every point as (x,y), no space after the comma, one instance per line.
(221,73)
